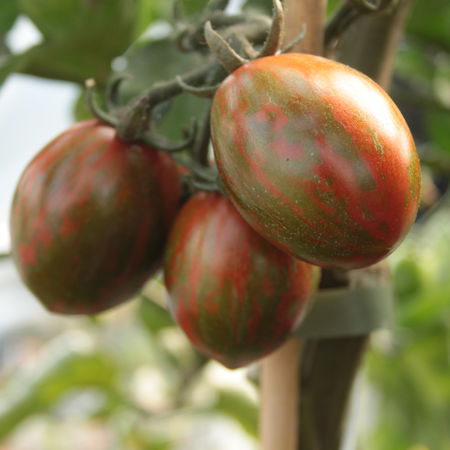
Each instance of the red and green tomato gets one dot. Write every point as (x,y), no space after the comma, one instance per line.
(317,158)
(90,218)
(235,295)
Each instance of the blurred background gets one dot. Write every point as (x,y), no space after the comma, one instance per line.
(128,379)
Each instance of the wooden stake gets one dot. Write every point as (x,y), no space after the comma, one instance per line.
(310,13)
(280,386)
(280,397)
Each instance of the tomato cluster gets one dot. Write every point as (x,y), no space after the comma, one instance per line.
(318,167)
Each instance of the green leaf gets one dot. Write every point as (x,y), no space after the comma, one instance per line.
(414,63)
(12,63)
(430,20)
(154,317)
(81,38)
(59,60)
(59,372)
(407,278)
(9,10)
(80,109)
(332,6)
(239,407)
(264,6)
(67,20)
(438,126)
(160,60)
(149,11)
(194,7)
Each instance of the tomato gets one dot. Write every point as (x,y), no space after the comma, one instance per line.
(90,218)
(317,158)
(234,294)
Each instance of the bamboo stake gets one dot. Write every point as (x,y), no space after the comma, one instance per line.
(280,396)
(280,386)
(311,13)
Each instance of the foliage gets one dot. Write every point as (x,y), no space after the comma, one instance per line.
(112,360)
(409,376)
(410,370)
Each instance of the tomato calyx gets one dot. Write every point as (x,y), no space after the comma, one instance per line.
(134,124)
(230,58)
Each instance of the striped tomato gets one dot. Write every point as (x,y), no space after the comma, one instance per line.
(90,218)
(234,294)
(317,158)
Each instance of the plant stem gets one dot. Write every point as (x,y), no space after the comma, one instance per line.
(280,394)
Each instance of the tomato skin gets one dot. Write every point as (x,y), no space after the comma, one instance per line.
(90,218)
(317,158)
(235,295)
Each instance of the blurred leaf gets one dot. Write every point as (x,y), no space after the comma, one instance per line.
(438,126)
(410,371)
(149,11)
(59,372)
(81,38)
(239,407)
(10,64)
(9,10)
(67,20)
(430,20)
(332,5)
(153,316)
(264,6)
(80,109)
(407,278)
(194,7)
(159,60)
(64,62)
(414,63)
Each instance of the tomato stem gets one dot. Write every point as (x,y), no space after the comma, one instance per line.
(94,107)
